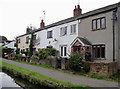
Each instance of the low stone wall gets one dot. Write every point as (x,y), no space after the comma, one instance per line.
(53,61)
(44,61)
(64,63)
(103,69)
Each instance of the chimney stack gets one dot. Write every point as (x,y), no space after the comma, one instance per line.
(42,24)
(77,11)
(27,30)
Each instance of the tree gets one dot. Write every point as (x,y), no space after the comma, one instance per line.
(3,38)
(31,45)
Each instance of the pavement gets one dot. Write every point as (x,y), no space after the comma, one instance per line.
(74,79)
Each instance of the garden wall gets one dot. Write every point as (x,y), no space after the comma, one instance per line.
(103,69)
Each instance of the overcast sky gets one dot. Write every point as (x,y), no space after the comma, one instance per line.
(16,15)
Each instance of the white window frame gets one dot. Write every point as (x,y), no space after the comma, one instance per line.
(62,51)
(27,39)
(49,34)
(63,31)
(73,28)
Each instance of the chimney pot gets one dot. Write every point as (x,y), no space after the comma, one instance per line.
(77,11)
(75,6)
(78,6)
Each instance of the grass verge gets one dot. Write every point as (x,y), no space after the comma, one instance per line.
(36,78)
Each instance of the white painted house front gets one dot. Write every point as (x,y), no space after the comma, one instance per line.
(59,37)
(11,45)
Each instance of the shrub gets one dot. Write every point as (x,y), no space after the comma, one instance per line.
(75,62)
(9,58)
(45,52)
(86,67)
(6,50)
(25,52)
(34,57)
(18,56)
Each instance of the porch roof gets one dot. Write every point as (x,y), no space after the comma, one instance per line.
(82,40)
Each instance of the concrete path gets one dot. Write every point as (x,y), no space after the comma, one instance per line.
(75,79)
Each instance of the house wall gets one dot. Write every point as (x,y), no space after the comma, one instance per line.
(61,40)
(23,45)
(11,45)
(104,36)
(1,44)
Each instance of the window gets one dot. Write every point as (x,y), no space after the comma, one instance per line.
(94,24)
(27,39)
(49,34)
(34,37)
(73,29)
(98,24)
(103,23)
(18,40)
(76,49)
(49,47)
(63,31)
(27,49)
(98,51)
(63,51)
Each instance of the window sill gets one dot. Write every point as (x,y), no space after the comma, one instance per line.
(99,58)
(98,29)
(50,38)
(63,57)
(62,35)
(73,33)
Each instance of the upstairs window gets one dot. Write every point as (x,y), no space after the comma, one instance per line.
(98,24)
(103,23)
(49,34)
(73,29)
(63,31)
(94,24)
(18,40)
(34,37)
(27,39)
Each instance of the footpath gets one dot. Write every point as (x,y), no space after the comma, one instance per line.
(74,79)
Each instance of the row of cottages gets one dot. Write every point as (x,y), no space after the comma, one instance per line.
(97,31)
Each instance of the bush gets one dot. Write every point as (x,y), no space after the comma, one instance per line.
(75,62)
(18,56)
(6,50)
(25,52)
(45,52)
(86,67)
(9,58)
(34,57)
